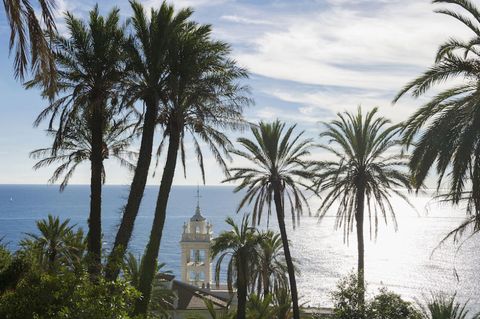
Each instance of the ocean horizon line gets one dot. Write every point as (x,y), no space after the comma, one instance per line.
(157,185)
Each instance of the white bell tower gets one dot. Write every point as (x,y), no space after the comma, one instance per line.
(195,244)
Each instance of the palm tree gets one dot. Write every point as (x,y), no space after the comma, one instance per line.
(162,297)
(449,122)
(90,68)
(215,313)
(75,148)
(240,244)
(147,51)
(366,171)
(279,166)
(260,308)
(203,99)
(270,268)
(56,244)
(29,39)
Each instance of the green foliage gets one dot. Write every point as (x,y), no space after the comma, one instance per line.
(103,299)
(66,295)
(162,297)
(442,306)
(56,245)
(278,157)
(11,274)
(276,173)
(384,305)
(46,279)
(444,132)
(260,308)
(29,38)
(269,268)
(75,146)
(5,256)
(365,167)
(389,305)
(346,299)
(240,245)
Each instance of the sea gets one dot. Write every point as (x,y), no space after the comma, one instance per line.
(410,261)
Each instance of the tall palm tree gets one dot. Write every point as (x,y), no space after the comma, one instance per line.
(90,67)
(147,51)
(203,100)
(279,167)
(270,267)
(56,244)
(29,37)
(365,172)
(449,123)
(75,148)
(240,244)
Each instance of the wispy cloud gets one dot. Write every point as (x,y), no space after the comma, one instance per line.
(244,20)
(311,58)
(379,48)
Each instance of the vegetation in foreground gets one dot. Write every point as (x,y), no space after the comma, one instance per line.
(163,70)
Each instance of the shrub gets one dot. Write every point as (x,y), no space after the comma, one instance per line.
(389,305)
(66,295)
(346,299)
(385,305)
(5,256)
(442,306)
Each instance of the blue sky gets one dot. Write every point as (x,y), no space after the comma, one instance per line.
(308,59)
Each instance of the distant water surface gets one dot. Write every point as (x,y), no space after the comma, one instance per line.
(403,261)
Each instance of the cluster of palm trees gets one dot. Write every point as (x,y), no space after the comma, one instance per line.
(114,82)
(109,83)
(257,262)
(366,172)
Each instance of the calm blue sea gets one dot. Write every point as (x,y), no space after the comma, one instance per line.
(405,261)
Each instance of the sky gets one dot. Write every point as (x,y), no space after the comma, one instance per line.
(307,59)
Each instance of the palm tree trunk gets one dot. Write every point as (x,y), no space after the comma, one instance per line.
(94,237)
(286,249)
(135,196)
(153,246)
(242,287)
(266,283)
(359,217)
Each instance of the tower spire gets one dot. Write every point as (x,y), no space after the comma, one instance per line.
(198,216)
(198,197)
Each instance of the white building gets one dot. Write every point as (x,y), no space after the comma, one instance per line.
(196,263)
(196,269)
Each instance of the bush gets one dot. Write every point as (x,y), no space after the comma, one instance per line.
(5,256)
(389,305)
(385,305)
(443,306)
(66,295)
(346,299)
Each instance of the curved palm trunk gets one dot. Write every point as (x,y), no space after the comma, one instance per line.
(94,237)
(288,257)
(242,286)
(135,196)
(153,246)
(359,217)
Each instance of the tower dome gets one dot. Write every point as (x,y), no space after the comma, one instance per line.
(198,216)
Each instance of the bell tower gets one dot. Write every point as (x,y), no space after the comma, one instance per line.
(195,244)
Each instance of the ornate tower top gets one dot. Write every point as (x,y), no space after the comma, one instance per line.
(195,245)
